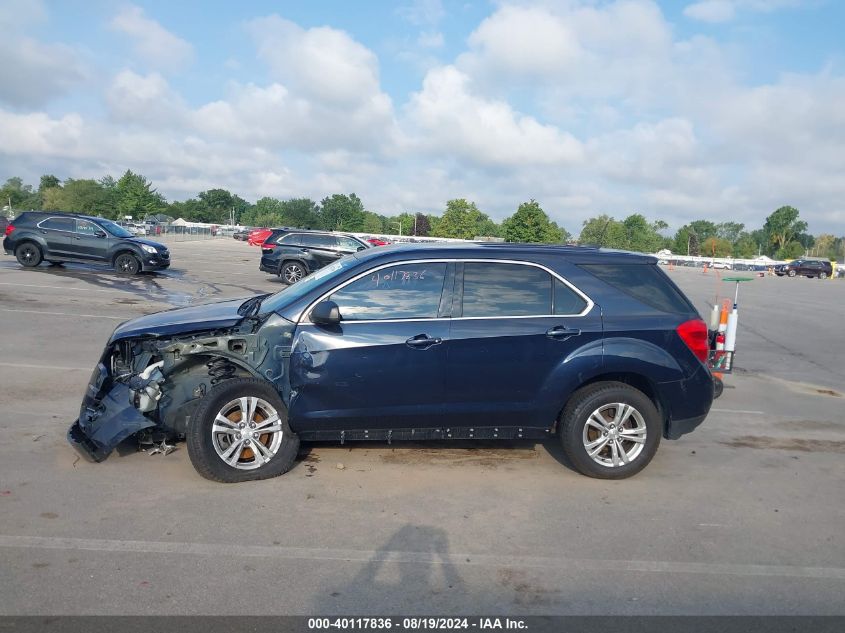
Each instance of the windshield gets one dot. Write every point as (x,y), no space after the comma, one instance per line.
(114,229)
(305,285)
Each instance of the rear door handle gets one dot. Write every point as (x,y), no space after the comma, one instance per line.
(561,333)
(423,341)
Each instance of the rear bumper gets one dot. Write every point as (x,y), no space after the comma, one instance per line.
(676,428)
(268,266)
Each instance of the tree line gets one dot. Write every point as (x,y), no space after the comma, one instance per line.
(783,234)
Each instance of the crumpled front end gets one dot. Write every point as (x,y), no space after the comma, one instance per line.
(148,386)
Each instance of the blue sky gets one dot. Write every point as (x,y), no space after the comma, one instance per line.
(721,109)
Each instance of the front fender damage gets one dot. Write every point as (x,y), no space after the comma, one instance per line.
(148,387)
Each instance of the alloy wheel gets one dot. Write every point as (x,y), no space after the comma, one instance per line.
(293,273)
(614,435)
(247,433)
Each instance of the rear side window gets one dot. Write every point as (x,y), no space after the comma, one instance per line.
(498,290)
(291,239)
(319,241)
(58,224)
(86,228)
(644,282)
(404,291)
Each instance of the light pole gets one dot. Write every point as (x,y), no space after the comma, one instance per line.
(399,224)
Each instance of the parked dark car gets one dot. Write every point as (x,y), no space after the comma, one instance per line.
(37,236)
(242,234)
(294,253)
(437,342)
(820,268)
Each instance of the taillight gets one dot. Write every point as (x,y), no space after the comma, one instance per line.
(694,334)
(9,229)
(268,247)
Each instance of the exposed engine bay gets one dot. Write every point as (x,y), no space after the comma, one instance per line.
(148,386)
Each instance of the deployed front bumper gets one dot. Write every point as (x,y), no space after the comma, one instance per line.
(105,419)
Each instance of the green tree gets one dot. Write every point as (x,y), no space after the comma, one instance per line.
(605,231)
(218,205)
(825,246)
(373,222)
(730,231)
(404,220)
(745,247)
(792,250)
(716,247)
(422,225)
(783,226)
(303,213)
(531,224)
(642,236)
(48,181)
(463,220)
(19,195)
(135,196)
(343,213)
(80,196)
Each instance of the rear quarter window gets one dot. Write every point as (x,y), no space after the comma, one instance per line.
(645,283)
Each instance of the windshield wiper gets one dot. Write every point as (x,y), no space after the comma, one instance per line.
(250,306)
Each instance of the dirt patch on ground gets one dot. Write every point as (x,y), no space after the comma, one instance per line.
(485,456)
(809,425)
(527,591)
(787,444)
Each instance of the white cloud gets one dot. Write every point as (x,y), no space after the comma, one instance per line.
(711,11)
(156,45)
(454,122)
(321,63)
(33,73)
(146,99)
(716,11)
(423,12)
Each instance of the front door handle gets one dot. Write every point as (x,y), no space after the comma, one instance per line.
(561,333)
(423,341)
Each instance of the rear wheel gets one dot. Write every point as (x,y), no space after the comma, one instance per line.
(127,264)
(28,254)
(240,432)
(291,272)
(610,430)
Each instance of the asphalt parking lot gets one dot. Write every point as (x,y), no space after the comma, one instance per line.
(744,516)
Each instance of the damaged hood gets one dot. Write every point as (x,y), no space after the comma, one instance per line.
(208,316)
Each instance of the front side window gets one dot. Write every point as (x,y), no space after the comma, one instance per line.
(403,291)
(84,227)
(58,224)
(501,290)
(348,244)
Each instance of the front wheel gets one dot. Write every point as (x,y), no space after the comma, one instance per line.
(791,273)
(291,272)
(240,432)
(127,264)
(610,430)
(822,275)
(28,254)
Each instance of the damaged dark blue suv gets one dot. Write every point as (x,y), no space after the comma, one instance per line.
(423,342)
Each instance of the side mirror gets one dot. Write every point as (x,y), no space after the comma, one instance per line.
(361,248)
(100,233)
(326,313)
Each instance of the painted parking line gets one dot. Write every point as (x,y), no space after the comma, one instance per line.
(216,550)
(69,314)
(75,288)
(59,367)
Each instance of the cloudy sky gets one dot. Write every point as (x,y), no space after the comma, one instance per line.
(722,109)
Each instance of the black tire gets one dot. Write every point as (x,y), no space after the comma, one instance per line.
(718,387)
(28,254)
(201,438)
(791,273)
(127,264)
(575,431)
(291,272)
(822,275)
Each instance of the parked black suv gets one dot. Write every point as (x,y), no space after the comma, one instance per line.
(294,253)
(820,268)
(414,342)
(37,236)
